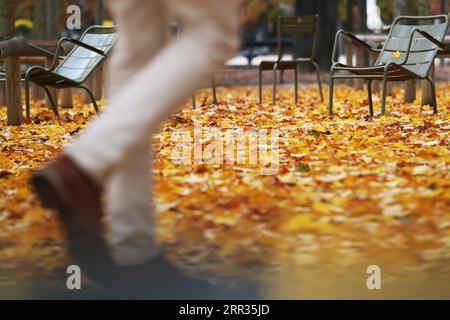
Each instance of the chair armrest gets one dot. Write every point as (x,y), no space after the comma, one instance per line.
(31,69)
(84,45)
(354,40)
(427,36)
(358,41)
(45,52)
(75,42)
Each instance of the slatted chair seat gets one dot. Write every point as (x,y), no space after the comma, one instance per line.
(73,70)
(298,26)
(48,79)
(44,78)
(394,73)
(408,53)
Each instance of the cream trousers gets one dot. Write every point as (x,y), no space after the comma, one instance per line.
(150,75)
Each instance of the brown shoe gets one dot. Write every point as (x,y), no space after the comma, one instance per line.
(63,186)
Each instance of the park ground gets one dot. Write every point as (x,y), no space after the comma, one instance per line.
(351,191)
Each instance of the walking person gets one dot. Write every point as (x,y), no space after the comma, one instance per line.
(150,75)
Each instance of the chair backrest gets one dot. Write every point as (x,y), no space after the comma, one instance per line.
(423,52)
(299,26)
(81,62)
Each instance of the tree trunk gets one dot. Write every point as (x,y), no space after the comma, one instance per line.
(6,28)
(40,32)
(7,17)
(66,98)
(41,11)
(90,84)
(427,98)
(98,83)
(99,12)
(422,8)
(407,7)
(362,10)
(52,9)
(11,93)
(40,19)
(349,12)
(326,9)
(410,90)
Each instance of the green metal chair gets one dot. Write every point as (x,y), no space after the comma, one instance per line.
(408,53)
(86,55)
(301,26)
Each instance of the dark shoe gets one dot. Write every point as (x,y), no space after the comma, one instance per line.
(161,279)
(63,186)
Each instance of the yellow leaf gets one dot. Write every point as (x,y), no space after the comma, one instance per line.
(396,54)
(305,222)
(322,207)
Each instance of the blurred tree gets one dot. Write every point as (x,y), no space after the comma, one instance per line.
(353,13)
(424,7)
(409,8)
(9,93)
(441,6)
(253,11)
(327,10)
(99,12)
(412,8)
(258,17)
(24,9)
(386,8)
(40,19)
(52,10)
(7,17)
(362,16)
(349,7)
(405,7)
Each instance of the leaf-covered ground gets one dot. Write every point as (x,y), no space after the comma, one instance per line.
(351,191)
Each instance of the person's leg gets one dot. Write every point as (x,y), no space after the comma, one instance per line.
(131,230)
(117,145)
(66,186)
(144,30)
(208,37)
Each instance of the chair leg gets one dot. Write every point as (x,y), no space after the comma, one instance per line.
(27,98)
(193,101)
(260,86)
(94,102)
(369,91)
(52,101)
(433,95)
(274,92)
(330,105)
(383,100)
(319,82)
(296,84)
(214,91)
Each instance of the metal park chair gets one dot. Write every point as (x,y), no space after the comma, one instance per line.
(72,70)
(408,53)
(301,26)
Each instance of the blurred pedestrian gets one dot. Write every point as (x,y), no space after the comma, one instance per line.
(150,75)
